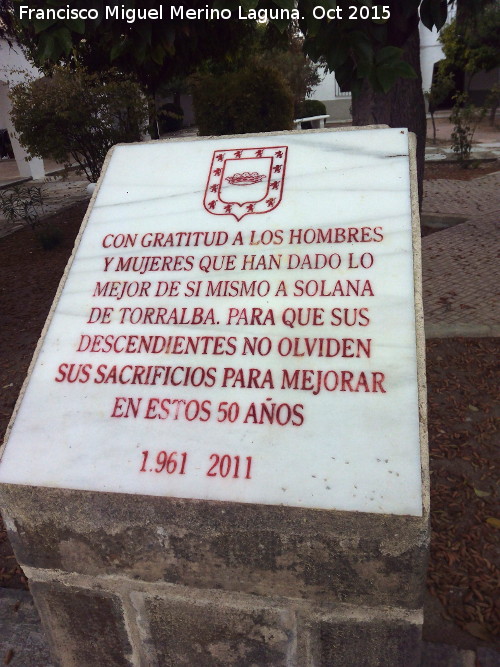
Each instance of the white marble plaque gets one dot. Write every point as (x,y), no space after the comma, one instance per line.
(237,324)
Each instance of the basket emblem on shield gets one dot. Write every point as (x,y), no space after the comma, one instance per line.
(245,181)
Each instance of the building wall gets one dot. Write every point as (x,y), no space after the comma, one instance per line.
(14,68)
(430,53)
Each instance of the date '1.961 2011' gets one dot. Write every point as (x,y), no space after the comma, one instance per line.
(220,465)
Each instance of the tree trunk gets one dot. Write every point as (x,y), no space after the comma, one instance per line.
(404,104)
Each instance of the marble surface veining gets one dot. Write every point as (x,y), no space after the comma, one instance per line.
(336,373)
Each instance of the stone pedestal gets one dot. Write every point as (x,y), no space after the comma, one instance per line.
(139,580)
(220,456)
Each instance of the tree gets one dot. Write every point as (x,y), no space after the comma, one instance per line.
(373,51)
(471,44)
(79,115)
(152,51)
(298,70)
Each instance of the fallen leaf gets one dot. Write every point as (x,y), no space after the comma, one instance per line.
(481,494)
(478,630)
(493,522)
(473,408)
(8,657)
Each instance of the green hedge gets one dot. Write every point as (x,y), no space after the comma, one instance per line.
(252,100)
(310,108)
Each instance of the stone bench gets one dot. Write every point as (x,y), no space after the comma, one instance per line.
(317,122)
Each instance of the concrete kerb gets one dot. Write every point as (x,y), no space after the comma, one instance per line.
(461,330)
(479,153)
(5,185)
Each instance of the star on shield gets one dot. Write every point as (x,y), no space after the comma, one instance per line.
(245,180)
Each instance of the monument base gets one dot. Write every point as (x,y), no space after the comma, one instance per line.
(285,269)
(140,580)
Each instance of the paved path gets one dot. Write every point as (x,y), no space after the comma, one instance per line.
(477,199)
(22,642)
(461,274)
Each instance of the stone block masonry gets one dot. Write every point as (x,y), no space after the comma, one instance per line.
(140,580)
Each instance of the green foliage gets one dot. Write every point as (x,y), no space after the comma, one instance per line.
(254,99)
(173,87)
(170,117)
(156,50)
(452,46)
(22,203)
(442,86)
(473,46)
(367,50)
(465,118)
(433,13)
(310,108)
(484,41)
(151,49)
(77,116)
(297,69)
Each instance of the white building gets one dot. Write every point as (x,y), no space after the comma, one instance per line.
(14,68)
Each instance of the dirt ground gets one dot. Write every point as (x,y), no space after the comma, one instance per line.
(462,605)
(435,170)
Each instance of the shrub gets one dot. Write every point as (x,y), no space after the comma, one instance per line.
(310,108)
(465,118)
(170,117)
(74,115)
(300,73)
(25,203)
(22,202)
(252,100)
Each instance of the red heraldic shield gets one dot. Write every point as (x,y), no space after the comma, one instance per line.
(245,180)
